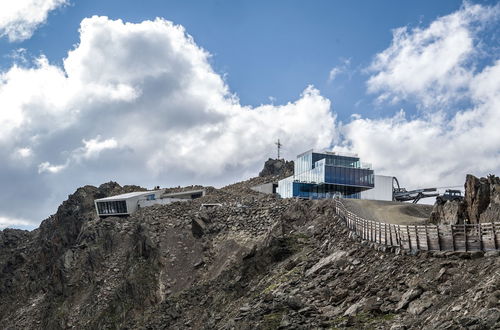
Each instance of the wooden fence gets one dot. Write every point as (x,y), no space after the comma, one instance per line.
(467,237)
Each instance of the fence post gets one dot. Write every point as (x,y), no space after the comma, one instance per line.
(465,237)
(416,237)
(452,237)
(481,247)
(438,237)
(390,233)
(385,234)
(427,239)
(494,234)
(380,232)
(409,238)
(399,237)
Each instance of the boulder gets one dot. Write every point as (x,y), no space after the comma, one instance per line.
(198,227)
(448,213)
(336,258)
(410,295)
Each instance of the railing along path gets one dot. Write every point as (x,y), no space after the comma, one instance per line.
(465,237)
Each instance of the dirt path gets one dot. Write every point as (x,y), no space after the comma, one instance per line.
(389,212)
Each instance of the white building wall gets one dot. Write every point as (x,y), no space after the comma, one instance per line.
(382,190)
(132,204)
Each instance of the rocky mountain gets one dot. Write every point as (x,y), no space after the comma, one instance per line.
(480,205)
(256,262)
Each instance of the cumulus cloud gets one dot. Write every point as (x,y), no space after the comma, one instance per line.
(435,66)
(140,103)
(20,18)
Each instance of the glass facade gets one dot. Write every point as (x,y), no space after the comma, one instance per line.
(112,207)
(324,175)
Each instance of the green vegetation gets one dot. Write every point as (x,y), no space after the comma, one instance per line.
(363,320)
(272,321)
(288,276)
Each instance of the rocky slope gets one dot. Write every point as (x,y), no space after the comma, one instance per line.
(257,262)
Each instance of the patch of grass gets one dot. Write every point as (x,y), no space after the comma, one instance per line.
(272,321)
(362,320)
(373,318)
(283,278)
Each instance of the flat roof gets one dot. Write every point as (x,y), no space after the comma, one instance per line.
(331,153)
(183,193)
(127,195)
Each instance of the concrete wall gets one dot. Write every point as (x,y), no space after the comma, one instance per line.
(266,188)
(161,201)
(382,190)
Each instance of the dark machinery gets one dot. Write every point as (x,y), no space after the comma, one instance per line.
(450,195)
(402,195)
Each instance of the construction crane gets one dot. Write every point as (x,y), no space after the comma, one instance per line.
(402,195)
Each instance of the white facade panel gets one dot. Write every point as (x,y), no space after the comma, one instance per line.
(382,190)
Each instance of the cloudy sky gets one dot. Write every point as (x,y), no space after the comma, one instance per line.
(195,92)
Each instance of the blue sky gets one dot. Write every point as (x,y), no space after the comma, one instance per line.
(290,43)
(92,91)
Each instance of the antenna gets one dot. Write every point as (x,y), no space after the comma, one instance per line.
(279,147)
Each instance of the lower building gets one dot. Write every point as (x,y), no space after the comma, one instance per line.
(126,204)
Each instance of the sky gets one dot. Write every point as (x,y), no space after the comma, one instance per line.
(175,93)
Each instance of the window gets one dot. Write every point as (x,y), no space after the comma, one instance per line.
(112,207)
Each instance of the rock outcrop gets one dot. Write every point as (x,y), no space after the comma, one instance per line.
(481,203)
(482,199)
(277,167)
(448,213)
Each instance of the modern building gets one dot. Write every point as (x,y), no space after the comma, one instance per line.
(327,174)
(126,204)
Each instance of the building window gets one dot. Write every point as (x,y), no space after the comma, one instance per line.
(112,207)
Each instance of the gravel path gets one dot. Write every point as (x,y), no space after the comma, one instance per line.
(389,212)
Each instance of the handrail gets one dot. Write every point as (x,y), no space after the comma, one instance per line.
(463,237)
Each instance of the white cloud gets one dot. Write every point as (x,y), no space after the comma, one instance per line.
(140,103)
(94,147)
(20,18)
(47,167)
(337,70)
(431,65)
(24,152)
(434,66)
(6,222)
